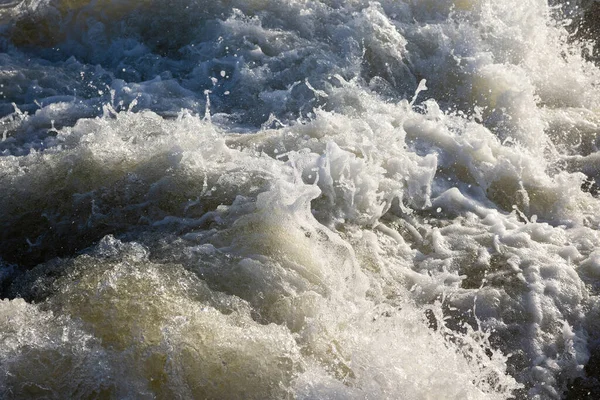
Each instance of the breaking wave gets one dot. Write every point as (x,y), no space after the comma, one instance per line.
(299,199)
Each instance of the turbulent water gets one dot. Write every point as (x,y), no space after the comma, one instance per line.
(299,199)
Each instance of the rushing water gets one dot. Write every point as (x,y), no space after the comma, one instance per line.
(302,199)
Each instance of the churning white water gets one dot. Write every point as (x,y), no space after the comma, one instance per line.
(299,199)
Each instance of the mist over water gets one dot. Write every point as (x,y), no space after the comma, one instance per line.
(299,199)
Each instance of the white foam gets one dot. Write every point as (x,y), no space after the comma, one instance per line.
(259,199)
